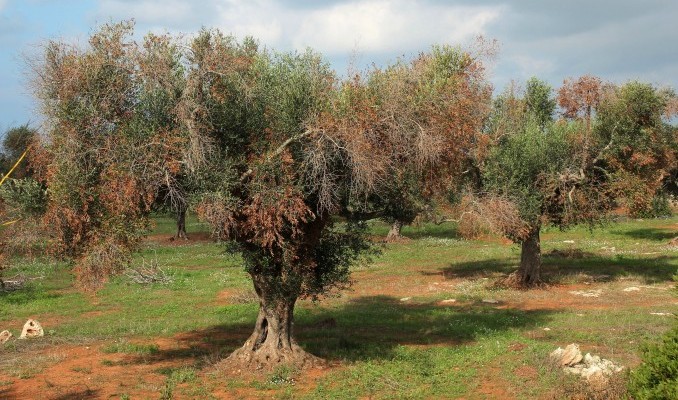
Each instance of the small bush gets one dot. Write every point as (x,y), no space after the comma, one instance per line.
(657,376)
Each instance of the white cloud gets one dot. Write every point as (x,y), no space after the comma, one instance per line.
(387,26)
(167,12)
(3,3)
(336,29)
(265,20)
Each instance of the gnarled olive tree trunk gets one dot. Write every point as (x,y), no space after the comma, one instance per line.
(181,222)
(394,232)
(529,273)
(272,343)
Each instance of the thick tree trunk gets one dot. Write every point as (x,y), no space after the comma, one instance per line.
(181,223)
(271,344)
(394,233)
(529,272)
(530,260)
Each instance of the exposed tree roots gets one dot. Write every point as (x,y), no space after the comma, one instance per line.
(271,344)
(268,358)
(516,280)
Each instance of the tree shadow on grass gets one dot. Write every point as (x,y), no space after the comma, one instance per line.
(372,328)
(556,267)
(26,294)
(367,328)
(654,234)
(475,269)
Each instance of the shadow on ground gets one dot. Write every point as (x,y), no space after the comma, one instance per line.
(557,267)
(658,235)
(367,328)
(27,294)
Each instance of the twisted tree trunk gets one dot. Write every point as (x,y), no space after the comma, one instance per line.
(529,273)
(394,233)
(181,223)
(272,344)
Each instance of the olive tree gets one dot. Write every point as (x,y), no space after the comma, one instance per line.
(289,146)
(109,142)
(274,143)
(638,145)
(614,146)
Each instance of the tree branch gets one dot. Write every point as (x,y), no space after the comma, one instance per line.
(277,152)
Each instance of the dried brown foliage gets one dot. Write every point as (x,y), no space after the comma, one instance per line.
(423,115)
(479,215)
(579,97)
(106,150)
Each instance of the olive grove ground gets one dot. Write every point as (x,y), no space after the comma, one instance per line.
(396,333)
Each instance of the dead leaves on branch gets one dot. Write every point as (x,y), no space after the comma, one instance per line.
(495,214)
(421,116)
(108,145)
(579,97)
(272,219)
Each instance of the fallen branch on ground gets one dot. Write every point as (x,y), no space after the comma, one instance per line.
(148,273)
(16,282)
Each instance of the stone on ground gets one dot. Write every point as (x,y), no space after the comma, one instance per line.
(5,336)
(568,356)
(591,368)
(32,328)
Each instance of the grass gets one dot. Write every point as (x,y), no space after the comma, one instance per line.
(388,337)
(131,348)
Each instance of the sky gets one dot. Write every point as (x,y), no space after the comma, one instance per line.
(617,40)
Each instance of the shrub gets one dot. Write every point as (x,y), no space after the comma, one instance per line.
(657,376)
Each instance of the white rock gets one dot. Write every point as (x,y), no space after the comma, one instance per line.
(405,299)
(661,314)
(5,336)
(592,368)
(547,329)
(556,354)
(449,301)
(32,328)
(587,293)
(632,289)
(588,372)
(571,355)
(567,357)
(568,241)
